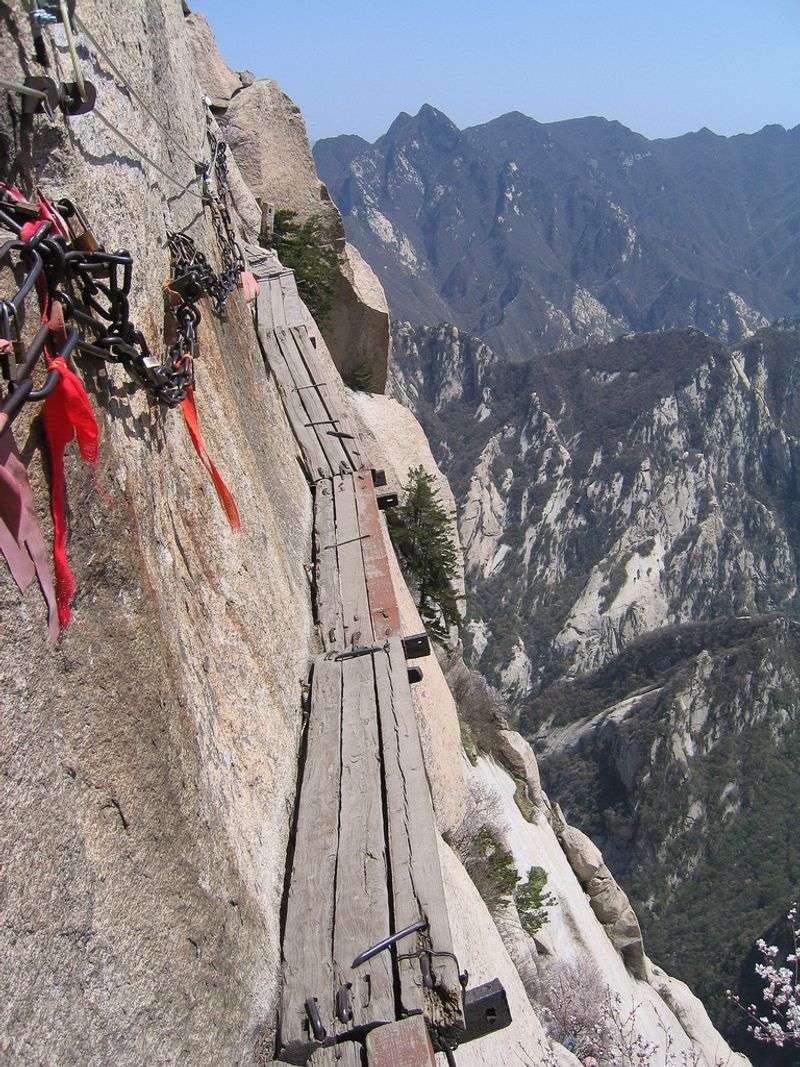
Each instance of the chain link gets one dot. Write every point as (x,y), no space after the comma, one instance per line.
(93,286)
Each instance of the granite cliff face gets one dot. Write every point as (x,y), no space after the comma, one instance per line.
(536,236)
(267,135)
(611,490)
(143,817)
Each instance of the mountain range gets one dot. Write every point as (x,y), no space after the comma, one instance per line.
(537,236)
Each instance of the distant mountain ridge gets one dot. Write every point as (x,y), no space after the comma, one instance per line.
(537,236)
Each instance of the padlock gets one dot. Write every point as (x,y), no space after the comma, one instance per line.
(9,350)
(80,232)
(187,287)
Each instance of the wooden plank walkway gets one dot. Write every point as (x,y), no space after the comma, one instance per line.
(356,601)
(365,863)
(338,902)
(318,419)
(417,890)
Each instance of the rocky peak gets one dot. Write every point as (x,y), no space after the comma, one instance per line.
(429,126)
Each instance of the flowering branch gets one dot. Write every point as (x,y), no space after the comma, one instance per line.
(781,1027)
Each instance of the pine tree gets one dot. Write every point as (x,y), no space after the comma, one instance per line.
(421,533)
(308,249)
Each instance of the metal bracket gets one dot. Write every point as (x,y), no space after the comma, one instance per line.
(381,946)
(387,500)
(344,1004)
(315,1019)
(348,541)
(358,650)
(416,646)
(485,1010)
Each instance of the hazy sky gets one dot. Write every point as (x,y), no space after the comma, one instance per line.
(661,67)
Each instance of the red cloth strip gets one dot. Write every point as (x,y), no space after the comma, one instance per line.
(67,414)
(189,410)
(21,540)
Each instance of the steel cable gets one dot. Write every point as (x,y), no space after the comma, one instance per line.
(134,93)
(143,156)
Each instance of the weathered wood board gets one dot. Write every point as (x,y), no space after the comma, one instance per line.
(356,618)
(350,442)
(275,293)
(323,416)
(314,459)
(348,1054)
(292,304)
(417,888)
(383,608)
(308,968)
(326,568)
(362,895)
(402,1044)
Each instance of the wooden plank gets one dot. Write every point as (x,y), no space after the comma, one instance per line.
(352,579)
(362,900)
(383,607)
(308,969)
(318,418)
(276,301)
(348,1054)
(314,458)
(417,888)
(406,1043)
(292,305)
(351,445)
(326,568)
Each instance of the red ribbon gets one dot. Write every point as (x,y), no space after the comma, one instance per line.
(21,540)
(67,415)
(189,409)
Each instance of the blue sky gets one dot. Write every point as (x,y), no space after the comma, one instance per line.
(661,67)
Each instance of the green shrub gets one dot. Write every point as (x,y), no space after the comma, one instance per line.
(421,533)
(308,249)
(532,901)
(491,867)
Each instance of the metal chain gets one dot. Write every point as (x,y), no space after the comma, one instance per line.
(93,286)
(192,274)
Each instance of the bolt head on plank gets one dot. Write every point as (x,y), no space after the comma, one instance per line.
(402,1044)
